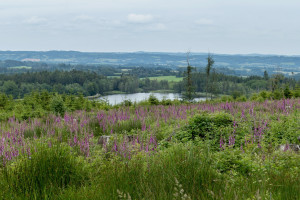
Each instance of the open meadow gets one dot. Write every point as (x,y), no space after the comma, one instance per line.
(167,78)
(221,150)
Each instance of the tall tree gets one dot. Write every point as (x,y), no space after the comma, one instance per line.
(266,75)
(213,84)
(189,92)
(210,62)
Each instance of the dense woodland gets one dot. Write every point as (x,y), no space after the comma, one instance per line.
(91,83)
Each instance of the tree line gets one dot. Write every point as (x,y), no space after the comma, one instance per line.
(75,82)
(90,83)
(213,83)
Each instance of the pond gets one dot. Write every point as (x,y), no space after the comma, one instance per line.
(137,97)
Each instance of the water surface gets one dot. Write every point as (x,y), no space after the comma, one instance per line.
(137,97)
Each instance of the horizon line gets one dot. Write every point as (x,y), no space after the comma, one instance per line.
(162,52)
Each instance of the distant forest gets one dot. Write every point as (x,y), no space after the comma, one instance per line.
(239,65)
(91,83)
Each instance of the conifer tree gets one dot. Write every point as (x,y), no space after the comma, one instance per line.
(189,92)
(208,68)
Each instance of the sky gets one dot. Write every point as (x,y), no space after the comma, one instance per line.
(216,26)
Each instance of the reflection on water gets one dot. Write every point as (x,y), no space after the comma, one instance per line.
(137,97)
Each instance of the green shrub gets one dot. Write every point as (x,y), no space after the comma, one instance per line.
(153,100)
(236,94)
(166,102)
(242,98)
(233,159)
(205,126)
(277,95)
(264,94)
(226,98)
(287,92)
(57,105)
(127,102)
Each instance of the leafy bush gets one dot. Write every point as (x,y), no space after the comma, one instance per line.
(127,102)
(242,98)
(153,100)
(202,125)
(226,98)
(233,159)
(166,102)
(57,105)
(277,94)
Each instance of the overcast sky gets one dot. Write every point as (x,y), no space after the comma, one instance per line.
(217,26)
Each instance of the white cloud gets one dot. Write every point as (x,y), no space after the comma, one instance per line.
(204,21)
(137,18)
(157,27)
(83,18)
(35,20)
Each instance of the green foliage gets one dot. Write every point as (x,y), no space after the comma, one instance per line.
(236,94)
(3,100)
(167,78)
(232,159)
(151,177)
(188,82)
(127,102)
(166,102)
(45,172)
(277,94)
(153,100)
(287,93)
(242,98)
(57,105)
(208,68)
(204,126)
(188,162)
(226,98)
(39,104)
(264,94)
(296,92)
(286,130)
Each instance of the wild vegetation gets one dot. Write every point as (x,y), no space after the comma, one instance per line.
(91,83)
(79,149)
(57,144)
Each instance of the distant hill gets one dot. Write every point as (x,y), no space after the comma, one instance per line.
(242,65)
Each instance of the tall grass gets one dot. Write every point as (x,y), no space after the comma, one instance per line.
(186,168)
(42,174)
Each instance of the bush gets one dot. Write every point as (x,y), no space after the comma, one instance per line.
(166,102)
(57,105)
(226,98)
(236,94)
(265,94)
(287,92)
(233,159)
(277,95)
(153,100)
(242,98)
(127,102)
(44,173)
(202,125)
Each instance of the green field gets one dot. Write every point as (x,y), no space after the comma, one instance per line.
(20,67)
(168,78)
